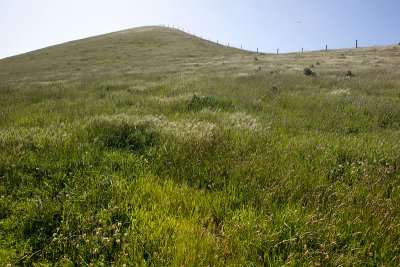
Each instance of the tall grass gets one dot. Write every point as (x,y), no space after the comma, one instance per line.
(227,165)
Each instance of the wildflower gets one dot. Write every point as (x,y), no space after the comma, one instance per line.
(118,241)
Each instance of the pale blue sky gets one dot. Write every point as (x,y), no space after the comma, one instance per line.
(27,25)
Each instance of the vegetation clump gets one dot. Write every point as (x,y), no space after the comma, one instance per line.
(123,134)
(309,72)
(199,102)
(349,73)
(275,90)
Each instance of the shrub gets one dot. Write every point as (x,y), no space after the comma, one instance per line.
(309,72)
(349,74)
(275,90)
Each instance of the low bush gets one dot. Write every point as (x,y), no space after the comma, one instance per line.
(309,72)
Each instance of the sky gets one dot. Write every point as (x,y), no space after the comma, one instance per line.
(289,25)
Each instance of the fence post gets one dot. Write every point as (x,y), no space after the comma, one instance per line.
(326,47)
(277,51)
(257,49)
(302,49)
(356,43)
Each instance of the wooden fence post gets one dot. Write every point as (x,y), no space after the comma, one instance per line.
(356,43)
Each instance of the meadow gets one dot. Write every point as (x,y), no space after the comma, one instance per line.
(151,147)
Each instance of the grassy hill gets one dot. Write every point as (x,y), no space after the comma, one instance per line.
(128,52)
(153,147)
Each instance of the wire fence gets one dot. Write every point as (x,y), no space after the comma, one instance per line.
(228,44)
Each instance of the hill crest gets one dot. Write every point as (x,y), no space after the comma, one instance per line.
(147,46)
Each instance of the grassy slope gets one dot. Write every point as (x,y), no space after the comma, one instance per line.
(152,147)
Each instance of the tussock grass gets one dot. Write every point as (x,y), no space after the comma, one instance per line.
(191,154)
(121,133)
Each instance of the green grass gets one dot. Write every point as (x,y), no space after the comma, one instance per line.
(152,147)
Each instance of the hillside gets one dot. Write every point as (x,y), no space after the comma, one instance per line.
(153,147)
(151,49)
